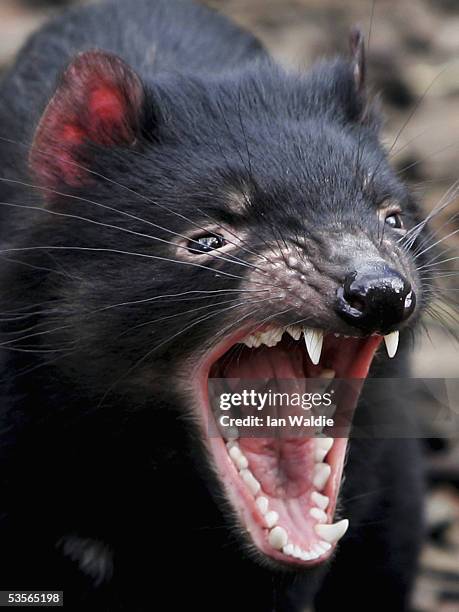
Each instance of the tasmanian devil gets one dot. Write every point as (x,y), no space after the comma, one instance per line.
(175,206)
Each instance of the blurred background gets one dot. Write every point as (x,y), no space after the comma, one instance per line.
(413,62)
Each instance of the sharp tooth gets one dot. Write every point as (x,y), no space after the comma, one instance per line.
(288,549)
(262,504)
(272,336)
(271,518)
(248,341)
(322,446)
(321,501)
(313,339)
(391,341)
(294,331)
(278,538)
(256,341)
(318,514)
(250,481)
(332,533)
(322,472)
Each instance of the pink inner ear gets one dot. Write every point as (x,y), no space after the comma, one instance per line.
(106,106)
(98,101)
(72,134)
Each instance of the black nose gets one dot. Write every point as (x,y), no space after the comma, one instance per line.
(375,299)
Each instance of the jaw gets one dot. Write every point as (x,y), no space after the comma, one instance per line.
(283,490)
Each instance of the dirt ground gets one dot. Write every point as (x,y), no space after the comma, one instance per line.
(414,66)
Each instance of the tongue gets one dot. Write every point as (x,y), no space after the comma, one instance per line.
(283,467)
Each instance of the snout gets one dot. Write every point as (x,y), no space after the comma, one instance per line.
(376,298)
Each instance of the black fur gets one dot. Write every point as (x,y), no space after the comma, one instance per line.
(106,490)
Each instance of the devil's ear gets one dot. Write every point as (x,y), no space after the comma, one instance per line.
(99,101)
(357,46)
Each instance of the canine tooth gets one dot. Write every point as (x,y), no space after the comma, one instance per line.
(271,518)
(313,339)
(321,501)
(294,331)
(322,472)
(318,514)
(250,481)
(278,537)
(262,504)
(391,341)
(322,446)
(332,533)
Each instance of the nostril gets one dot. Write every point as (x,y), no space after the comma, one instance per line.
(375,299)
(356,302)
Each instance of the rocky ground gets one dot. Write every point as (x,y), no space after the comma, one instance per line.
(413,64)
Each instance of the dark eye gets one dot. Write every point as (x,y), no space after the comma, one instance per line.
(204,244)
(394,220)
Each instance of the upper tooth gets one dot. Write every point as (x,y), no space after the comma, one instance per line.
(391,341)
(294,331)
(270,338)
(248,341)
(278,537)
(314,339)
(321,473)
(332,533)
(322,446)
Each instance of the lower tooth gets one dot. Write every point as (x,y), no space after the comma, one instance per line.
(278,538)
(332,533)
(321,501)
(238,458)
(250,481)
(297,552)
(324,545)
(318,514)
(262,504)
(288,549)
(271,518)
(322,472)
(322,447)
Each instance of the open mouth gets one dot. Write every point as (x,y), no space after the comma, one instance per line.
(284,489)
